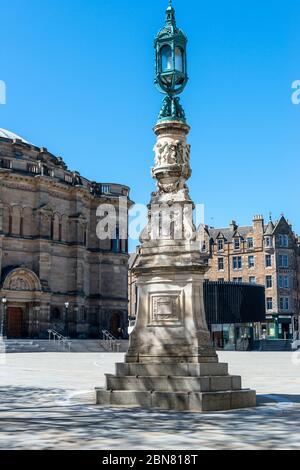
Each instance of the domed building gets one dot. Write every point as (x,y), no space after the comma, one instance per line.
(55,272)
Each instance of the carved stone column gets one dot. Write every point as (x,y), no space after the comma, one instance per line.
(171,325)
(171,363)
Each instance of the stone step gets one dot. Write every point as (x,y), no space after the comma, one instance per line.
(174,384)
(180,401)
(181,370)
(20,343)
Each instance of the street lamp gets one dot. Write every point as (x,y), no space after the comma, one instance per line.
(3,318)
(171,66)
(66,327)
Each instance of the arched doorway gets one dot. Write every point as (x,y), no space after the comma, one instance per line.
(22,288)
(14,318)
(115,324)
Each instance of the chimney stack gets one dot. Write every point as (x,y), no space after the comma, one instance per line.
(258,223)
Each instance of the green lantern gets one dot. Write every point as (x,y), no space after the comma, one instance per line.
(171,66)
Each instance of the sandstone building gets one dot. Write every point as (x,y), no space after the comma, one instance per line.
(55,272)
(266,254)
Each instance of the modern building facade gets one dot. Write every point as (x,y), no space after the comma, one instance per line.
(55,272)
(234,313)
(265,254)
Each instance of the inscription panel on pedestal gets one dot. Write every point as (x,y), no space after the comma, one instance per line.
(166,308)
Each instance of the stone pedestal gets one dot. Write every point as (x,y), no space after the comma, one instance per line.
(171,363)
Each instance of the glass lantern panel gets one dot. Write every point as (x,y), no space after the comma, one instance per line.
(166,58)
(178,59)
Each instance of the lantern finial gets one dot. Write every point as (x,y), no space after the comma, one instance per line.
(171,66)
(171,14)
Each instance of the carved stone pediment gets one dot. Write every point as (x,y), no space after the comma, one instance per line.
(22,279)
(19,284)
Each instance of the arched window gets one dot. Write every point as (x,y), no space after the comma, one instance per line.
(115,324)
(51,228)
(178,59)
(16,220)
(55,314)
(83,315)
(64,229)
(7,220)
(166,59)
(10,224)
(26,222)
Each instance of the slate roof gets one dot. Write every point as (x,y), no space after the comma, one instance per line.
(228,233)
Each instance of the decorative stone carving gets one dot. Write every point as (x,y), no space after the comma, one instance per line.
(172,165)
(171,362)
(172,153)
(19,284)
(165,309)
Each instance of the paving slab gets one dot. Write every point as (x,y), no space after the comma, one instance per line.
(47,402)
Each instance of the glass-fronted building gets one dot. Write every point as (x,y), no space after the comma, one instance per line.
(234,313)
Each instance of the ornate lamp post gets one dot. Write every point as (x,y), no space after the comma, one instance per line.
(3,318)
(171,66)
(66,326)
(171,362)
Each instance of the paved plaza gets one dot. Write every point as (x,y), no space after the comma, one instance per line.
(47,402)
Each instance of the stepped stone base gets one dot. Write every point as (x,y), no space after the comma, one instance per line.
(181,387)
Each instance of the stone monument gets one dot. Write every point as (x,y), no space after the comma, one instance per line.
(171,363)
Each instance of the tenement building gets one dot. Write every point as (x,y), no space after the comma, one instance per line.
(267,254)
(55,272)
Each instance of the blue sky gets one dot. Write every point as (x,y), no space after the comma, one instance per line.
(79,78)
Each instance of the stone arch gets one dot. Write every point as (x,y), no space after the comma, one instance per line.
(45,221)
(22,279)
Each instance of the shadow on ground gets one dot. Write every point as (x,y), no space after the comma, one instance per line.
(33,418)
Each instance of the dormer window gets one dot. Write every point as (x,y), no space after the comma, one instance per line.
(68,178)
(105,189)
(220,245)
(47,171)
(250,243)
(237,243)
(32,168)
